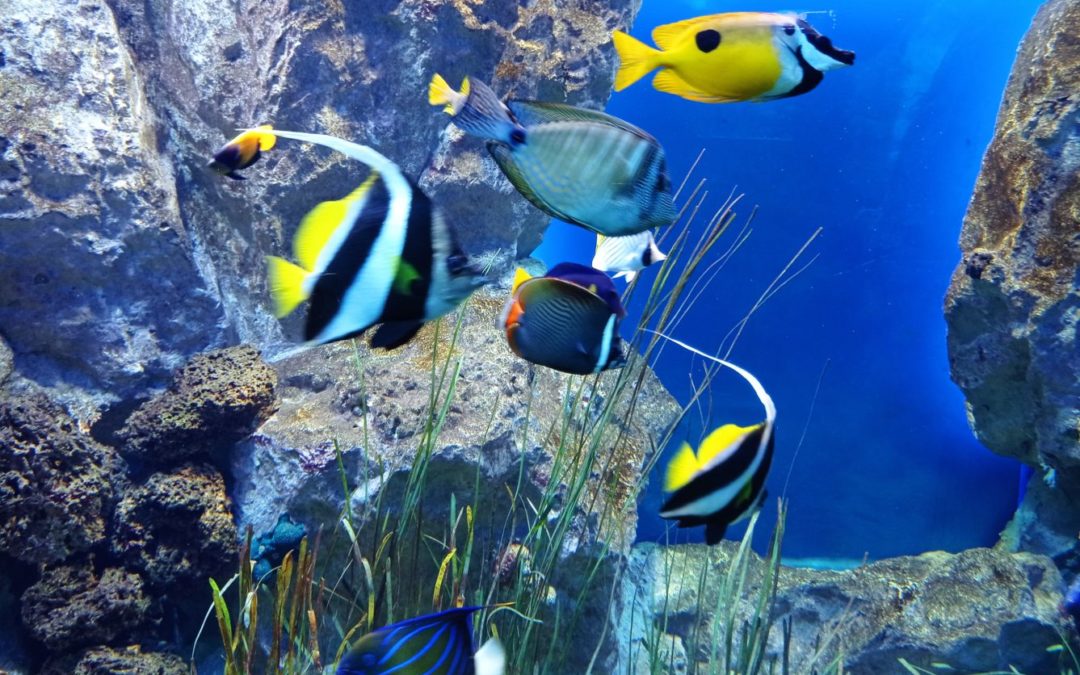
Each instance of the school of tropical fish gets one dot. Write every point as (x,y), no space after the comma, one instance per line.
(385,255)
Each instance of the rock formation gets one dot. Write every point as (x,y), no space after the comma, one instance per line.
(1014,301)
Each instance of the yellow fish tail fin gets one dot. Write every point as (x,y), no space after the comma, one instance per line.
(636,59)
(520,277)
(286,282)
(265,135)
(681,469)
(441,93)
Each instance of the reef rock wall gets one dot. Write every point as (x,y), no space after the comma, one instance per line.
(121,254)
(1014,302)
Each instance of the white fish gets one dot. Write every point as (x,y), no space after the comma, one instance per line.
(626,256)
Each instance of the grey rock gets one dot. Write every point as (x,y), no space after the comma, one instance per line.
(979,610)
(7,361)
(1013,303)
(131,660)
(71,606)
(57,485)
(215,400)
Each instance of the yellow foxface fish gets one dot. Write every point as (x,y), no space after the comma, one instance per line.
(384,254)
(738,56)
(435,644)
(626,256)
(724,480)
(242,151)
(581,166)
(567,320)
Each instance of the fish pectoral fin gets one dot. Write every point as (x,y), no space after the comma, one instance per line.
(682,469)
(395,334)
(714,532)
(669,82)
(286,281)
(490,659)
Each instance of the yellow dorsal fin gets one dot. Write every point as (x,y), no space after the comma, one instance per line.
(319,224)
(668,36)
(286,282)
(520,277)
(265,134)
(682,468)
(719,441)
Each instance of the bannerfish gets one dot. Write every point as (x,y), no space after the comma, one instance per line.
(738,56)
(723,482)
(384,254)
(581,166)
(242,151)
(567,320)
(433,644)
(626,256)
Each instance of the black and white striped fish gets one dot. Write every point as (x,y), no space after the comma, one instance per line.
(384,254)
(567,320)
(434,644)
(582,166)
(626,256)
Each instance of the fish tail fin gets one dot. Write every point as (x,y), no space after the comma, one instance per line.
(490,659)
(441,93)
(286,281)
(681,469)
(636,59)
(265,136)
(656,256)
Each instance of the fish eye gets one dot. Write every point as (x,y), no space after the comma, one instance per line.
(707,40)
(517,136)
(789,30)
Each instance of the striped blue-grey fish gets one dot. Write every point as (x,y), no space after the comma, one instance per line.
(434,644)
(384,254)
(567,320)
(723,482)
(582,166)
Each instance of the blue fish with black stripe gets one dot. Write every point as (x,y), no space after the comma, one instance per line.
(433,644)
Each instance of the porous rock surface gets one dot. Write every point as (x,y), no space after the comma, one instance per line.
(977,611)
(1014,301)
(177,527)
(218,398)
(57,485)
(132,660)
(505,412)
(121,254)
(71,606)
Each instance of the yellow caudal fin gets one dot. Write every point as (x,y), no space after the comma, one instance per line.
(520,277)
(682,469)
(266,137)
(441,93)
(636,59)
(319,224)
(286,282)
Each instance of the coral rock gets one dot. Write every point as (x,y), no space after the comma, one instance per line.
(109,660)
(217,399)
(1014,302)
(7,361)
(71,606)
(177,527)
(56,483)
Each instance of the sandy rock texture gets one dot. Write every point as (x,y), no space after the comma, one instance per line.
(121,254)
(132,660)
(1014,301)
(977,611)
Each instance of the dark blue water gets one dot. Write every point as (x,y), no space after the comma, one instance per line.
(883,156)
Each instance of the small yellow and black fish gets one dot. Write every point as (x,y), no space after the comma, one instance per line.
(626,256)
(243,151)
(434,644)
(581,166)
(738,56)
(724,480)
(384,254)
(567,320)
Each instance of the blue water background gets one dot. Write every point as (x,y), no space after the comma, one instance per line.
(884,156)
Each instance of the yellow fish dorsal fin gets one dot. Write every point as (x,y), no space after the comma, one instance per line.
(286,282)
(319,224)
(682,468)
(520,277)
(265,134)
(720,441)
(669,35)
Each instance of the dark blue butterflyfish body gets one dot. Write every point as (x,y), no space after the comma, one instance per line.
(592,279)
(435,644)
